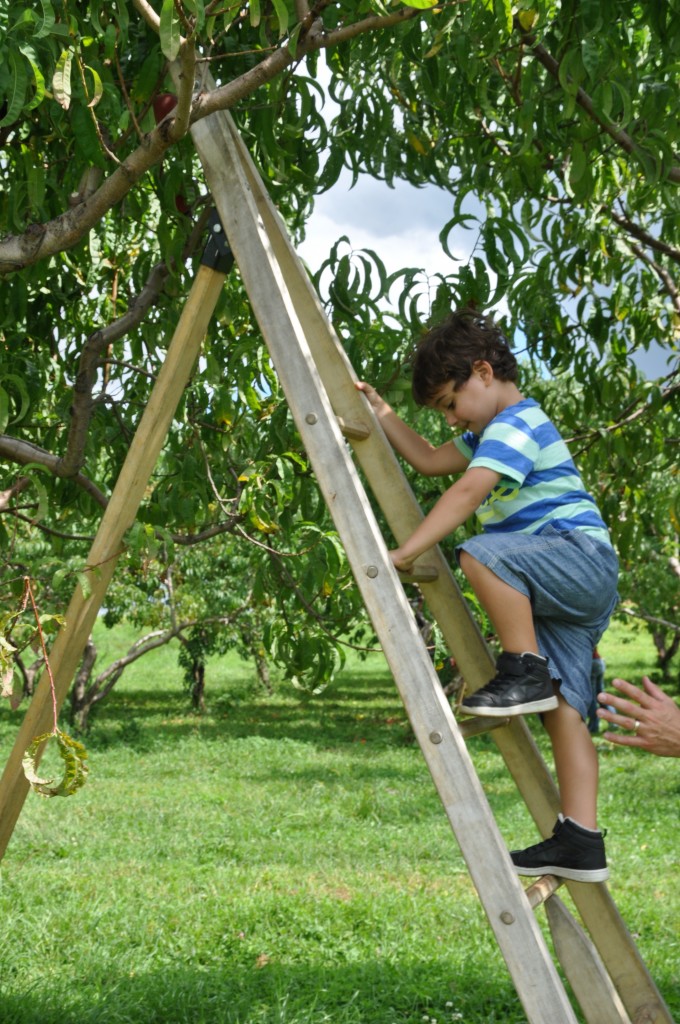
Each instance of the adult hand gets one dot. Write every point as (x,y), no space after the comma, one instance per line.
(650,714)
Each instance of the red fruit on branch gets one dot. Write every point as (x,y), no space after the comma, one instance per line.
(163,104)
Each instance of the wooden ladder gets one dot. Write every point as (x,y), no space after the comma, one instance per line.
(605,970)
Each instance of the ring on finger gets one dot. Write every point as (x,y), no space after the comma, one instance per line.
(637,726)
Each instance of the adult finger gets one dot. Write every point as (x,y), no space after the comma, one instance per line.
(631,691)
(625,739)
(622,705)
(624,721)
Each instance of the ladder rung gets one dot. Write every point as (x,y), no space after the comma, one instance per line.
(420,574)
(475,726)
(542,890)
(355,431)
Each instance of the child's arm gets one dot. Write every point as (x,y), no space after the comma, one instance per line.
(418,452)
(454,507)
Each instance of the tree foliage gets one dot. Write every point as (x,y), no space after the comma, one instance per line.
(553,127)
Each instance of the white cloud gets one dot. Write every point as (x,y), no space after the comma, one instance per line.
(401,225)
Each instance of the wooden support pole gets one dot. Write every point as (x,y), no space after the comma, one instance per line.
(108,543)
(586,973)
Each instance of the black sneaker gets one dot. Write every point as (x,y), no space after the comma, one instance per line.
(571,852)
(522,684)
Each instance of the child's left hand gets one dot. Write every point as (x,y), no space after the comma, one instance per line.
(400,563)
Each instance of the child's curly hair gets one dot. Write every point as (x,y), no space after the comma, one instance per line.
(449,351)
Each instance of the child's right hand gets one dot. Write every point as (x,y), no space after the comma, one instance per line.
(374,399)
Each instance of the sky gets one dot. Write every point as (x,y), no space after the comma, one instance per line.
(402,226)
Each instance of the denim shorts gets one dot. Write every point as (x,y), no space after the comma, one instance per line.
(570,579)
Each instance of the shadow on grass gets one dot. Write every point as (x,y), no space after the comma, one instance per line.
(362,993)
(362,711)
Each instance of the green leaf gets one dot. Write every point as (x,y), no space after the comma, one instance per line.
(281,16)
(45,27)
(43,502)
(59,576)
(85,584)
(255,14)
(170,30)
(98,87)
(17,89)
(503,11)
(30,55)
(20,385)
(197,8)
(4,410)
(293,39)
(72,753)
(420,5)
(61,80)
(35,182)
(578,162)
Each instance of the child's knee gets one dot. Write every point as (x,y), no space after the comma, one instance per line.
(468,563)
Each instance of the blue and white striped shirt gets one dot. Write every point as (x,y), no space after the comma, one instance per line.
(539,483)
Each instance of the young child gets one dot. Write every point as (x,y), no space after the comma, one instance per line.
(543,568)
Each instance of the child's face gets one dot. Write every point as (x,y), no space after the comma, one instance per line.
(473,405)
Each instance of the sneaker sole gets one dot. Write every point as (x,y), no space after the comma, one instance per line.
(573,874)
(548,704)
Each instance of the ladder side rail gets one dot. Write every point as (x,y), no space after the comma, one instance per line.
(520,938)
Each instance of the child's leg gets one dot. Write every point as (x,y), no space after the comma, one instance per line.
(575,763)
(509,609)
(522,683)
(576,848)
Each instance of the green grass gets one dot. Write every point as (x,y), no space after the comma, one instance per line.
(279,861)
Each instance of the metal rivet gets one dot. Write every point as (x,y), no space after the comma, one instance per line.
(311,417)
(372,572)
(436,737)
(217,228)
(507,918)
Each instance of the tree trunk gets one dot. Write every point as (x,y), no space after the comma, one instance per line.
(262,668)
(665,651)
(28,675)
(198,686)
(80,704)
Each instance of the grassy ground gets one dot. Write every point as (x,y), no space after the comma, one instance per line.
(287,862)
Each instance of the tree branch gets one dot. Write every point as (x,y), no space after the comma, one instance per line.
(19,485)
(148,14)
(98,342)
(626,418)
(654,620)
(145,644)
(226,96)
(186,76)
(661,273)
(42,240)
(24,452)
(66,230)
(622,138)
(644,236)
(49,531)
